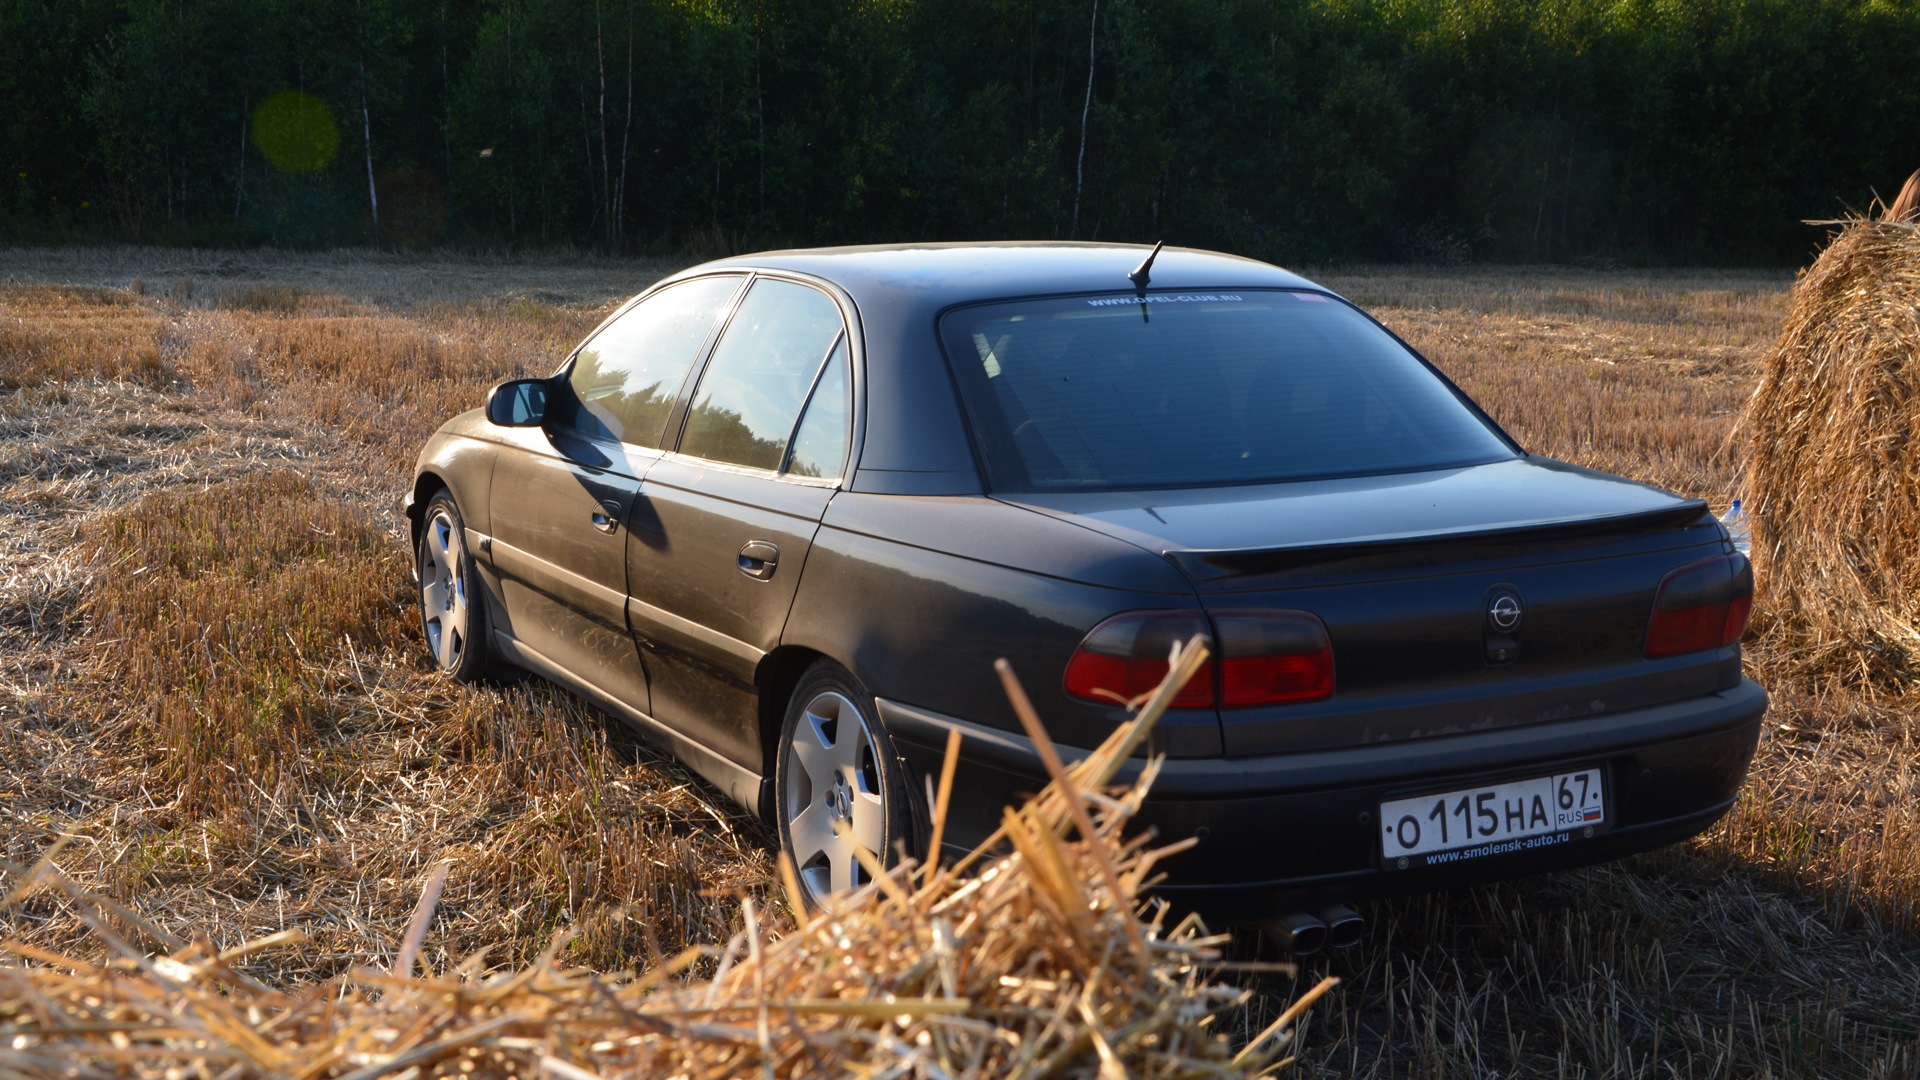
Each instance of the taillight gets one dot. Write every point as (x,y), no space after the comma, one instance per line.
(1126,656)
(1703,605)
(1261,658)
(1273,657)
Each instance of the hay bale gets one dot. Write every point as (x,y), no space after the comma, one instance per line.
(1040,959)
(1833,434)
(1906,205)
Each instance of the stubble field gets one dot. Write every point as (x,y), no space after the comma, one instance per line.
(214,711)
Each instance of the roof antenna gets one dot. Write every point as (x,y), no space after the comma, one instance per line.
(1140,273)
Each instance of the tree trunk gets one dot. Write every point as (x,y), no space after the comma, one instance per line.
(513,229)
(240,177)
(1080,167)
(1033,56)
(446,98)
(626,140)
(366,121)
(760,107)
(366,130)
(606,167)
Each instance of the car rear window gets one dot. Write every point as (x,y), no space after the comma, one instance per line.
(1188,389)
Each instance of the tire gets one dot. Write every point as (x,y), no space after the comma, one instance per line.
(453,607)
(837,783)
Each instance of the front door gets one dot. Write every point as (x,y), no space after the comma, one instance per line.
(561,506)
(559,549)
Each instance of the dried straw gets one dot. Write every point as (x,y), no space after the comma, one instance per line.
(1833,435)
(1034,956)
(1906,205)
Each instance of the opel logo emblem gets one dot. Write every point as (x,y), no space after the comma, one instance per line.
(1503,611)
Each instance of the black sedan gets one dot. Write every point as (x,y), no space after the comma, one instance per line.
(781,513)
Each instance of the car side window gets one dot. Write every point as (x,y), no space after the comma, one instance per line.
(820,442)
(767,360)
(625,379)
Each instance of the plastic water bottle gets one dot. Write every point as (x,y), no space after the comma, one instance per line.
(1739,530)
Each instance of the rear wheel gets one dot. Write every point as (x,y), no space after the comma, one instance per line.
(838,784)
(453,610)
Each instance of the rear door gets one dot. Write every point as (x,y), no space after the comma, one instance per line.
(724,524)
(559,505)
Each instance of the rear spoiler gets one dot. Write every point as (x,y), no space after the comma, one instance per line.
(1429,548)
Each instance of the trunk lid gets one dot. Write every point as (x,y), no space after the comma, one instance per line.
(1406,571)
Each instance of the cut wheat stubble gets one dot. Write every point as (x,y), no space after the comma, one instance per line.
(1035,955)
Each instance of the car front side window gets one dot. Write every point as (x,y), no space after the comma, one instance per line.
(625,378)
(762,371)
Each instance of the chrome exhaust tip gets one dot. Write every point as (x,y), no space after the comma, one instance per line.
(1344,926)
(1298,932)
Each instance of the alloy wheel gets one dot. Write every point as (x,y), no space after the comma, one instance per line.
(443,590)
(835,799)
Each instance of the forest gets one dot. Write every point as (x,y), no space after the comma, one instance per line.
(1588,132)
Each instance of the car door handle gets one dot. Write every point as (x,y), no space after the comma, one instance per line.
(607,517)
(758,559)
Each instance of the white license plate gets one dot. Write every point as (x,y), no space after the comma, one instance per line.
(1515,816)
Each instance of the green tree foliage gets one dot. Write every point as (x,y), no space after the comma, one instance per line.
(1299,130)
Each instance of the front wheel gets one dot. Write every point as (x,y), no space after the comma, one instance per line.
(838,785)
(453,610)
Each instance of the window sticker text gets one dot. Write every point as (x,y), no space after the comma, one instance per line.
(1164,298)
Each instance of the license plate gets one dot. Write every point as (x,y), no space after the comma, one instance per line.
(1497,819)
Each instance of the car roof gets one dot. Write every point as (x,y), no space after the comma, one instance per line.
(956,273)
(914,438)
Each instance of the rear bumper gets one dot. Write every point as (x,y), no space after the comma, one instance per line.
(1286,830)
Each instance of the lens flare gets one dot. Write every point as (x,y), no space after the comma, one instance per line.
(296,131)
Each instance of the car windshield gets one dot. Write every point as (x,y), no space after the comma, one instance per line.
(1187,389)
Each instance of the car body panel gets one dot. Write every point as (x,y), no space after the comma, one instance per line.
(459,456)
(932,618)
(1501,497)
(743,785)
(1008,534)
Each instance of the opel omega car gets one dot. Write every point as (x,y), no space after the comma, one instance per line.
(782,512)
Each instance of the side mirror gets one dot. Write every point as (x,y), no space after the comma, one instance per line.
(518,403)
